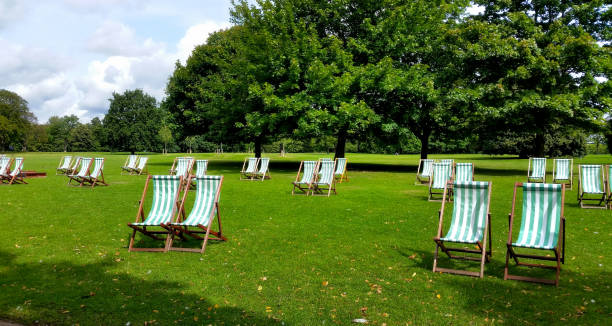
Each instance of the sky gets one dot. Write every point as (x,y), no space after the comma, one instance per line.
(68,56)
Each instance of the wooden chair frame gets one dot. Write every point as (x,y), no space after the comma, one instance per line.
(126,167)
(559,257)
(76,176)
(74,165)
(319,190)
(423,181)
(297,184)
(153,233)
(7,170)
(17,177)
(244,175)
(137,171)
(529,178)
(485,254)
(61,170)
(571,171)
(209,234)
(344,175)
(580,193)
(99,180)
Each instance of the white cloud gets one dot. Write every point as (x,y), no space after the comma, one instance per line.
(24,64)
(196,35)
(114,38)
(10,10)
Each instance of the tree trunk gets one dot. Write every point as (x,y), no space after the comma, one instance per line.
(341,144)
(539,144)
(258,147)
(424,143)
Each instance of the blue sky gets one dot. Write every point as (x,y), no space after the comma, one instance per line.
(68,56)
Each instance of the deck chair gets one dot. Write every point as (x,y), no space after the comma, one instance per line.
(439,177)
(264,171)
(609,203)
(201,168)
(325,180)
(15,175)
(591,182)
(164,207)
(464,172)
(74,165)
(308,170)
(341,173)
(470,225)
(5,165)
(451,172)
(130,164)
(182,166)
(96,177)
(80,176)
(141,167)
(424,171)
(563,171)
(251,168)
(542,228)
(64,165)
(536,171)
(199,221)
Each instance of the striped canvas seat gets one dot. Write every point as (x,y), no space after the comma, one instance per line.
(325,180)
(249,168)
(591,176)
(541,215)
(96,176)
(75,164)
(201,167)
(609,187)
(464,172)
(64,165)
(427,168)
(440,175)
(562,169)
(308,174)
(470,211)
(252,165)
(205,208)
(340,173)
(142,163)
(5,165)
(165,195)
(263,171)
(14,176)
(182,167)
(130,164)
(537,168)
(83,172)
(450,162)
(308,171)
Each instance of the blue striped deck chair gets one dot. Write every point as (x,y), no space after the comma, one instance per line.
(305,177)
(264,171)
(5,165)
(542,228)
(164,208)
(249,168)
(205,210)
(591,182)
(14,176)
(130,164)
(470,224)
(536,170)
(141,167)
(424,171)
(341,173)
(64,165)
(325,181)
(563,171)
(439,177)
(96,177)
(79,177)
(609,169)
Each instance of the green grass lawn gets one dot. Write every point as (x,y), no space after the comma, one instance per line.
(291,260)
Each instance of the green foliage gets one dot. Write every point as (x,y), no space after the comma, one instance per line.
(133,122)
(15,120)
(60,129)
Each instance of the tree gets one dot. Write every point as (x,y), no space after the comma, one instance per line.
(82,139)
(132,122)
(60,129)
(15,120)
(165,134)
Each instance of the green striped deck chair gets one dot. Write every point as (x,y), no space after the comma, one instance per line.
(205,209)
(308,170)
(424,171)
(164,208)
(130,164)
(325,181)
(79,177)
(470,223)
(14,176)
(451,172)
(96,177)
(464,172)
(201,168)
(609,169)
(5,165)
(592,183)
(542,228)
(439,177)
(141,167)
(249,168)
(536,171)
(341,173)
(64,165)
(264,171)
(74,165)
(563,171)
(182,166)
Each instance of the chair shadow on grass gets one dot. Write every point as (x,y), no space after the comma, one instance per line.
(517,302)
(101,293)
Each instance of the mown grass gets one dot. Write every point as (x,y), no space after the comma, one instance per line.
(292,260)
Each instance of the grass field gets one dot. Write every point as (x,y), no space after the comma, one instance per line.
(290,260)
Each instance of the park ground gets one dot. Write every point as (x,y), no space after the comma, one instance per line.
(366,252)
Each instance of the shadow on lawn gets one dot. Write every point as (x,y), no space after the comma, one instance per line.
(517,302)
(64,293)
